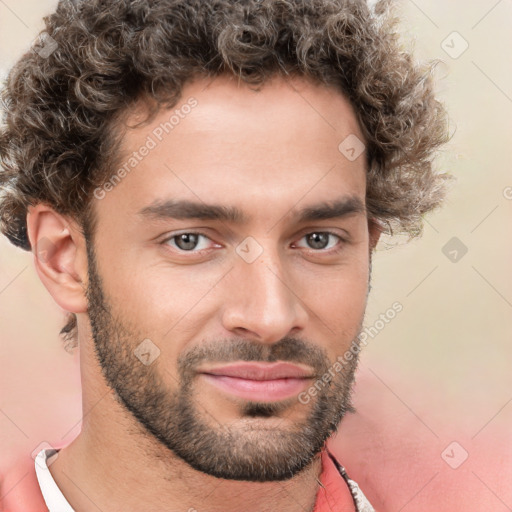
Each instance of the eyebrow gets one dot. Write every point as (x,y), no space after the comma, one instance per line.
(185,209)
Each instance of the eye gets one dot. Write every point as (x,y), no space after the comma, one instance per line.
(187,242)
(319,240)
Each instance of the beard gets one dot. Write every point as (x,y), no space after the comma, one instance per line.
(247,449)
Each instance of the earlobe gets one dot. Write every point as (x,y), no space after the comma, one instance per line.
(59,256)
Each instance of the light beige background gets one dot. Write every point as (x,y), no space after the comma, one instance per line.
(438,373)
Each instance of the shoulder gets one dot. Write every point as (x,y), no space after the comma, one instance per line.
(360,500)
(19,488)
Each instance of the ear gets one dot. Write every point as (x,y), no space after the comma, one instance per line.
(60,257)
(374,232)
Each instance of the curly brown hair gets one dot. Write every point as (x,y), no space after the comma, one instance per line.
(63,102)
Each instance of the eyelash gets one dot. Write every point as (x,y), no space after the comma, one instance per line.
(338,247)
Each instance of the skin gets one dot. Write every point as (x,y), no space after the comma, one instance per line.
(270,153)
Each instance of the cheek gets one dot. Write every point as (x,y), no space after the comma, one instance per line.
(338,299)
(141,300)
(168,305)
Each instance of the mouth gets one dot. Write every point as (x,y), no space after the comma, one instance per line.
(262,382)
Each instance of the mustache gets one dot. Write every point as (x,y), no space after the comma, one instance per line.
(287,349)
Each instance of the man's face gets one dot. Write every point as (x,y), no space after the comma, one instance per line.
(208,329)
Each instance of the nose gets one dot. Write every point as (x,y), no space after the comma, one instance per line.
(262,302)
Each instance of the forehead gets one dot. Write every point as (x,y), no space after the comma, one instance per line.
(281,144)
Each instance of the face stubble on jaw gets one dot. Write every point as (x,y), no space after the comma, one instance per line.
(243,450)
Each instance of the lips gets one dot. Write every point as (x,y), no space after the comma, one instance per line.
(261,371)
(266,382)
